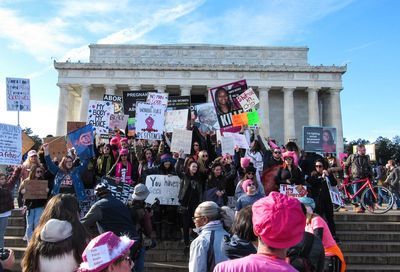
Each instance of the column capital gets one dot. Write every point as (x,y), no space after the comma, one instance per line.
(288,89)
(85,86)
(264,88)
(334,90)
(64,86)
(110,89)
(160,88)
(109,86)
(310,89)
(185,89)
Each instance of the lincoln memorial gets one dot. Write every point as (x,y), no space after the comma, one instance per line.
(292,92)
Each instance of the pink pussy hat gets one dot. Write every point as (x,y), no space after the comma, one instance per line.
(104,250)
(244,162)
(246,183)
(278,220)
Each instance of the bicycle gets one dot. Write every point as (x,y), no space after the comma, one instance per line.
(375,199)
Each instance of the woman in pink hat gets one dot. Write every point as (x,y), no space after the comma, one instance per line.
(107,252)
(289,173)
(123,170)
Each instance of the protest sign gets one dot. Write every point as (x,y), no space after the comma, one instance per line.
(239,139)
(82,140)
(131,127)
(57,146)
(163,188)
(319,139)
(226,104)
(36,189)
(253,118)
(369,150)
(227,145)
(86,204)
(248,99)
(181,141)
(178,102)
(159,99)
(27,143)
(118,121)
(10,145)
(176,119)
(18,94)
(71,126)
(130,98)
(240,119)
(205,117)
(117,102)
(99,115)
(121,191)
(293,190)
(334,193)
(149,121)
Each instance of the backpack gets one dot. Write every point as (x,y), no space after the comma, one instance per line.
(299,257)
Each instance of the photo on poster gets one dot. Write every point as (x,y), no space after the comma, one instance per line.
(205,117)
(319,139)
(225,102)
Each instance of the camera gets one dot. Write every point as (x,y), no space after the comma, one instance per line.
(4,254)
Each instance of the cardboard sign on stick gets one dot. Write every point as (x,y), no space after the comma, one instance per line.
(35,189)
(27,143)
(248,99)
(181,141)
(57,146)
(10,145)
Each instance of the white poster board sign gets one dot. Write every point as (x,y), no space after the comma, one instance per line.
(158,99)
(99,115)
(10,145)
(149,121)
(18,94)
(239,139)
(118,121)
(164,188)
(176,119)
(248,99)
(335,194)
(181,141)
(227,145)
(293,190)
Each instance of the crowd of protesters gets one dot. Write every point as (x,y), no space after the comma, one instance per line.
(222,198)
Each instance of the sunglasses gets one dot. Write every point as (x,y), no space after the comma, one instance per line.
(195,145)
(250,174)
(39,171)
(318,166)
(277,152)
(205,156)
(288,158)
(250,184)
(124,155)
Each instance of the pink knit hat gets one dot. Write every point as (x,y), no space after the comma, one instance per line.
(244,162)
(114,141)
(246,183)
(278,220)
(293,155)
(123,140)
(123,151)
(104,250)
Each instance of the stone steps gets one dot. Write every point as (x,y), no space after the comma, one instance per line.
(368,246)
(374,268)
(367,226)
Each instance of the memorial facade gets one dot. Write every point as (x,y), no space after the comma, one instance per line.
(292,92)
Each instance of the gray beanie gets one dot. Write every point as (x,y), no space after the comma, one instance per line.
(55,231)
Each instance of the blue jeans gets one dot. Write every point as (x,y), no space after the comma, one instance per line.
(356,187)
(32,220)
(3,226)
(139,262)
(396,195)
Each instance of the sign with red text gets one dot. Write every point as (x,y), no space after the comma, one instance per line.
(18,94)
(10,145)
(248,100)
(293,190)
(149,121)
(160,99)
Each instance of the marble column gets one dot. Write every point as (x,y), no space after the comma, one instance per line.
(209,96)
(313,107)
(110,89)
(185,90)
(336,118)
(62,109)
(288,114)
(85,97)
(263,93)
(160,88)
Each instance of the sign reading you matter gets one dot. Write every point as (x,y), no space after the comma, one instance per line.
(99,115)
(164,188)
(10,145)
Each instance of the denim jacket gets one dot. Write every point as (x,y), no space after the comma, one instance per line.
(75,176)
(199,247)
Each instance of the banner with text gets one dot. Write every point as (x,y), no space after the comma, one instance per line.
(293,190)
(319,139)
(159,99)
(118,121)
(226,104)
(164,188)
(149,121)
(117,102)
(176,119)
(10,145)
(178,102)
(99,115)
(248,100)
(130,98)
(18,94)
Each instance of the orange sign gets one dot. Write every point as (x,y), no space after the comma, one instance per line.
(240,119)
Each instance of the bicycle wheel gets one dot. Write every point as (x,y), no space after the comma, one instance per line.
(382,203)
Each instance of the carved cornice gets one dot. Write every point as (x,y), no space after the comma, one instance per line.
(197,67)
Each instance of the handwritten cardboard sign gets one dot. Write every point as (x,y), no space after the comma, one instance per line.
(176,119)
(160,99)
(248,99)
(27,142)
(10,144)
(57,146)
(164,188)
(118,121)
(149,121)
(239,139)
(18,94)
(71,125)
(181,140)
(35,189)
(99,115)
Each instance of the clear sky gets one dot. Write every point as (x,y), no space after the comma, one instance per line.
(364,34)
